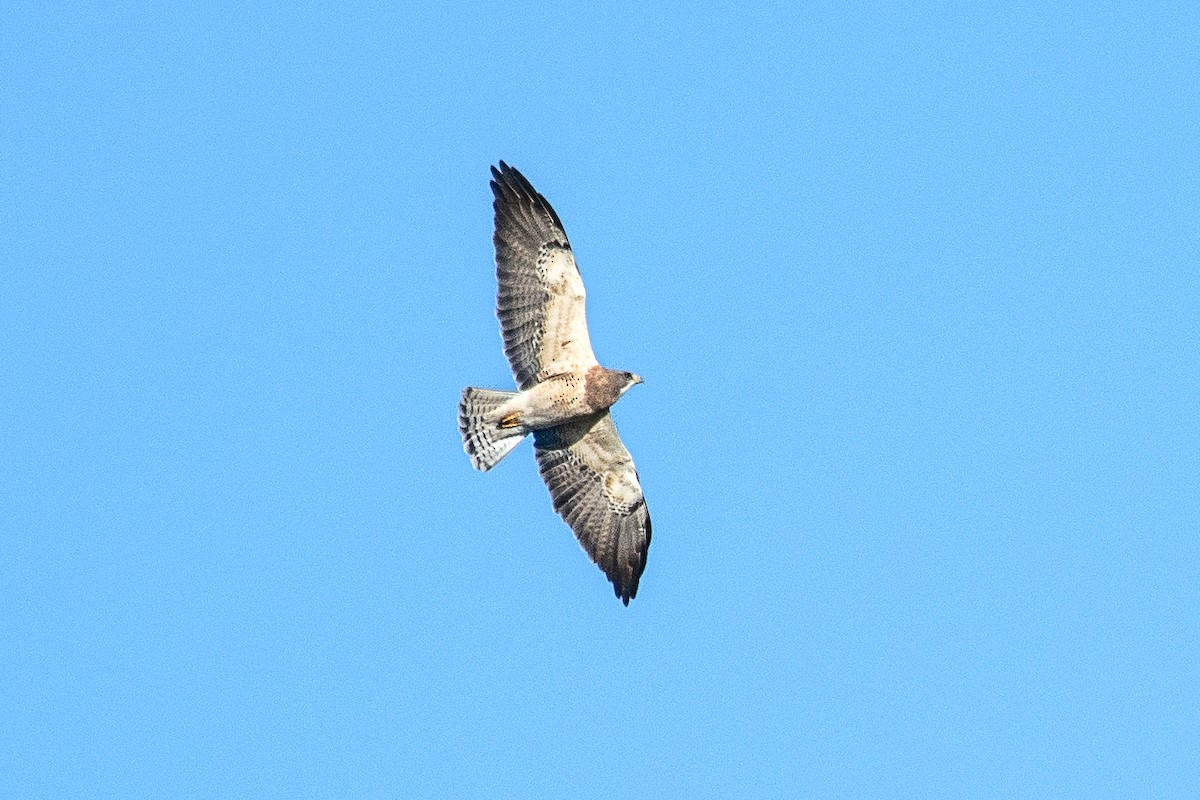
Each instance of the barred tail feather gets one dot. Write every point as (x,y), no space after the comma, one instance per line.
(483,438)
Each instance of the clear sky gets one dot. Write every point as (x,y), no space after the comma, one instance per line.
(916,295)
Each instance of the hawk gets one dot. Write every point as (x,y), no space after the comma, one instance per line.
(564,394)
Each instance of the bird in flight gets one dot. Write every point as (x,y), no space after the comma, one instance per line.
(564,394)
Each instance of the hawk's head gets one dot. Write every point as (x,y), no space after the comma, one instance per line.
(631,380)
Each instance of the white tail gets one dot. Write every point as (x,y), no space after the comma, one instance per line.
(483,438)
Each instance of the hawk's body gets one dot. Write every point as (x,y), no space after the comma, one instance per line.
(564,393)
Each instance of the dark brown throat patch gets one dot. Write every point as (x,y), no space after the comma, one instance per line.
(603,387)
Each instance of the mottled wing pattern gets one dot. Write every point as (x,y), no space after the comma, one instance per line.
(540,301)
(595,488)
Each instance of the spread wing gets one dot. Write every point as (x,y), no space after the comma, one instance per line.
(540,301)
(595,488)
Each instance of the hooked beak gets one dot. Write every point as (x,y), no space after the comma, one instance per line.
(637,379)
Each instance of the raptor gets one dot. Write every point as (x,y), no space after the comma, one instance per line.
(564,394)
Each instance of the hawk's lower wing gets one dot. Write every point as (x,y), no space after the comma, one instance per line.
(595,488)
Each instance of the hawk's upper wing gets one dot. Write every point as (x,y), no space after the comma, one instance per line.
(540,301)
(595,488)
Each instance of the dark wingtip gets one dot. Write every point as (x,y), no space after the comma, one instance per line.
(501,172)
(497,180)
(507,180)
(624,592)
(626,586)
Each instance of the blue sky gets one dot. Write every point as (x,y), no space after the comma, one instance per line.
(916,297)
